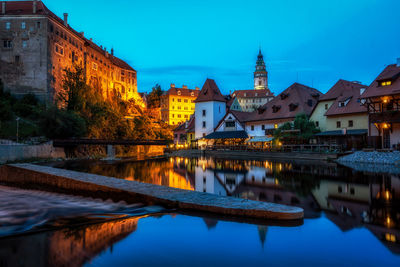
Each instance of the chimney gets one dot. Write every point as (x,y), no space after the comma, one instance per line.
(82,34)
(197,88)
(172,85)
(112,51)
(66,19)
(3,8)
(184,86)
(34,6)
(398,62)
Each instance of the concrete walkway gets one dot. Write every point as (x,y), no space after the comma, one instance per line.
(71,182)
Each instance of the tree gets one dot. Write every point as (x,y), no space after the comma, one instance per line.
(154,99)
(301,130)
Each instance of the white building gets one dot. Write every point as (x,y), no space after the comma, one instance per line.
(210,109)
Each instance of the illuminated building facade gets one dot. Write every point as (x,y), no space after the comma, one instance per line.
(261,74)
(382,99)
(177,104)
(37,46)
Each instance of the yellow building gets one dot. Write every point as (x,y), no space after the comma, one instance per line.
(341,117)
(177,104)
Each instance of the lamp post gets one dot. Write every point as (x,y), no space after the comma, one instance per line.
(17,119)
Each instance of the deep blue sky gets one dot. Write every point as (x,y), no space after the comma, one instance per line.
(184,42)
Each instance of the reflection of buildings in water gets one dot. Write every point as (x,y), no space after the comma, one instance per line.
(210,222)
(374,204)
(67,247)
(74,247)
(262,233)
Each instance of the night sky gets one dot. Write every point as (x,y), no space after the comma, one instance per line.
(184,42)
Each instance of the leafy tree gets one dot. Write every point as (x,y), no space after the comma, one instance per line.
(154,99)
(301,130)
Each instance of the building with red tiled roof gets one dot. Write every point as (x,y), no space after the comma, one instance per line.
(210,109)
(177,104)
(341,117)
(296,99)
(38,46)
(382,99)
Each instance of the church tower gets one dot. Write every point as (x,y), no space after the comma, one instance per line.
(261,74)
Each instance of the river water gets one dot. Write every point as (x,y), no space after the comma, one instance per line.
(351,218)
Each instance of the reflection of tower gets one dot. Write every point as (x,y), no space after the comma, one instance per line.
(211,223)
(261,74)
(262,233)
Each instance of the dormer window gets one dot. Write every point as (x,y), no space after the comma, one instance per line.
(244,94)
(344,103)
(283,96)
(179,92)
(293,106)
(309,102)
(256,94)
(275,109)
(385,83)
(192,94)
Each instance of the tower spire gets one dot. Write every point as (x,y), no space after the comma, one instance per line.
(261,74)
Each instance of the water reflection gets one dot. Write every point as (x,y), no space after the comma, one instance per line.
(349,198)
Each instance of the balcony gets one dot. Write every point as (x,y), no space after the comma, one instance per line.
(386,116)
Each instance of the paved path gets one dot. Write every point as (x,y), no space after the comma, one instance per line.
(66,181)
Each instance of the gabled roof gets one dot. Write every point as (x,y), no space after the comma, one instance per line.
(183,92)
(18,8)
(252,93)
(210,92)
(350,92)
(339,87)
(240,116)
(302,99)
(392,73)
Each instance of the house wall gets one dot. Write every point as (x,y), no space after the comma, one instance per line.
(318,114)
(249,104)
(176,109)
(229,117)
(258,131)
(360,121)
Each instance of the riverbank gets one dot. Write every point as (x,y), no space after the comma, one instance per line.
(254,155)
(71,182)
(373,157)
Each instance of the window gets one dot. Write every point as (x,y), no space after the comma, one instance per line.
(276,126)
(179,116)
(8,25)
(263,127)
(59,49)
(204,134)
(204,124)
(7,44)
(341,104)
(252,127)
(94,66)
(179,100)
(192,94)
(23,25)
(350,123)
(173,99)
(185,100)
(230,124)
(38,25)
(386,83)
(24,44)
(317,123)
(338,124)
(17,58)
(259,82)
(179,92)
(204,112)
(326,106)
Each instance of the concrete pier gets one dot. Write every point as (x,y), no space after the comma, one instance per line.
(77,183)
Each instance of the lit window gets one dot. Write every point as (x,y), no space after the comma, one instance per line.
(8,25)
(24,44)
(23,25)
(192,94)
(276,126)
(386,83)
(179,92)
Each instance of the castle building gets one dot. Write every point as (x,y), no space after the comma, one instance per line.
(37,46)
(177,104)
(250,100)
(261,74)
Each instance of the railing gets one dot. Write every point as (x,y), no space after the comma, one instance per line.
(283,148)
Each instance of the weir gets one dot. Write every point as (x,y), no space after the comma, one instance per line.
(71,182)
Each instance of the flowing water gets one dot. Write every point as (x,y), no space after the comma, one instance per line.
(352,218)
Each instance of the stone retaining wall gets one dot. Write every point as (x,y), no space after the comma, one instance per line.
(16,152)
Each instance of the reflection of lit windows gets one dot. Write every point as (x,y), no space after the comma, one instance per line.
(340,190)
(276,126)
(390,237)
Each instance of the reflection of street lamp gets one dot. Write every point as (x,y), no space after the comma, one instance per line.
(17,126)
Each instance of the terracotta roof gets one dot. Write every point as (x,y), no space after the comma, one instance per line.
(210,92)
(183,92)
(391,72)
(26,8)
(297,98)
(252,93)
(339,87)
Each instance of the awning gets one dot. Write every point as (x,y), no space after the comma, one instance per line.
(343,133)
(260,139)
(228,135)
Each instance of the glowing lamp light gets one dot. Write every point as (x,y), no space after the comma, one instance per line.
(385,125)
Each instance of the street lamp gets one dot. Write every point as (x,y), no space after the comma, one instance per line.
(17,119)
